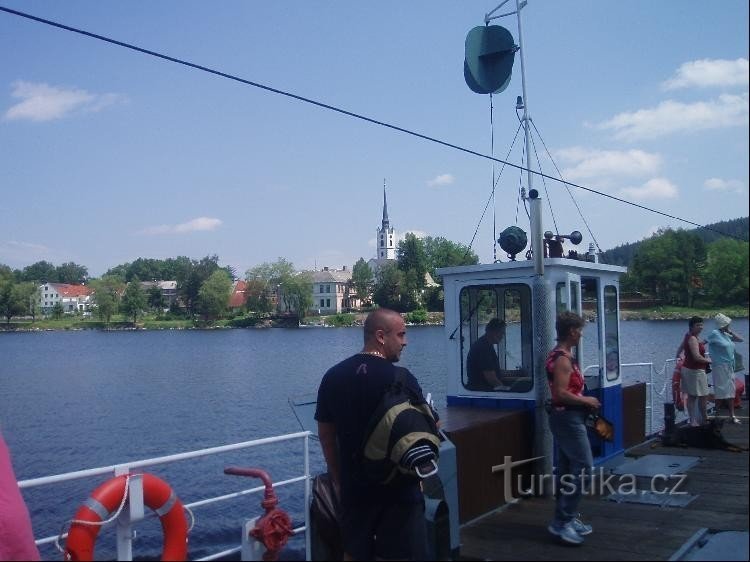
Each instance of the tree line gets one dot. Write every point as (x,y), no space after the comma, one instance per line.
(678,267)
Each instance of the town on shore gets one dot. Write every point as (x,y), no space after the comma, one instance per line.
(674,274)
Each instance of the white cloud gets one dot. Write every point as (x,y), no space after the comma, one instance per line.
(42,102)
(201,224)
(718,184)
(418,233)
(656,188)
(16,253)
(709,72)
(674,117)
(591,163)
(442,179)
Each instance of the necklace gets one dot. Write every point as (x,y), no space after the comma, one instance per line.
(375,353)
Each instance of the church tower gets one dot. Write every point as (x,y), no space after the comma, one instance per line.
(386,239)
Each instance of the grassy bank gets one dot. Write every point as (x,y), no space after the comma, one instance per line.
(335,320)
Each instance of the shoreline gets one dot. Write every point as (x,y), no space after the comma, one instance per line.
(434,319)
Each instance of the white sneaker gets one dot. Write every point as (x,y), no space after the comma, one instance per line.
(736,420)
(566,533)
(581,528)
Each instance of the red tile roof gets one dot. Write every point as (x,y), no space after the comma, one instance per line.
(238,297)
(66,290)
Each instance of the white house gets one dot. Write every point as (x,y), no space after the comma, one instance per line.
(73,298)
(333,291)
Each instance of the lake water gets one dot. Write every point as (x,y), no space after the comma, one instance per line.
(76,400)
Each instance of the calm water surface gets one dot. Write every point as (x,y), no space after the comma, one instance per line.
(75,400)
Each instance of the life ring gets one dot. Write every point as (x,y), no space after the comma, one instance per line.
(676,384)
(103,501)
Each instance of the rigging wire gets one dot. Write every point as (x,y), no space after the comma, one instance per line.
(348,113)
(468,249)
(494,206)
(544,183)
(572,198)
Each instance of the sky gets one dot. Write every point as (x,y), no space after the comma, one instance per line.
(108,155)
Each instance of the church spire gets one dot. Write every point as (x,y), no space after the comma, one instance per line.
(386,223)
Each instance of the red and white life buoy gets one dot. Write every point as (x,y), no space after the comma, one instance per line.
(676,384)
(106,499)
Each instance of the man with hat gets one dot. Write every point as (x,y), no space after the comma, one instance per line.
(721,348)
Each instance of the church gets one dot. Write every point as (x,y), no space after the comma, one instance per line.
(385,241)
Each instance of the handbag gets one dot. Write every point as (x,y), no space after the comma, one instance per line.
(601,426)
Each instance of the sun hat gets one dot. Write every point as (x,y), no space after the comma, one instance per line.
(722,320)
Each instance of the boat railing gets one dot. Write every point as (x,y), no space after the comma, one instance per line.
(124,528)
(653,379)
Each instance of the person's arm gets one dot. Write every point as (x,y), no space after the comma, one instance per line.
(735,337)
(561,378)
(328,442)
(695,352)
(491,377)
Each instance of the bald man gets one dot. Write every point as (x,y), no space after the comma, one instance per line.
(379,521)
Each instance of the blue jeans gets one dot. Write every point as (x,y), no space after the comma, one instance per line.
(574,459)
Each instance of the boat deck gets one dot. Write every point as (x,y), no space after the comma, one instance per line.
(627,531)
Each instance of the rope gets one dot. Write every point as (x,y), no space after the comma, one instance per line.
(72,522)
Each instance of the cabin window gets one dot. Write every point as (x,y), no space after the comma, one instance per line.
(512,304)
(611,333)
(588,355)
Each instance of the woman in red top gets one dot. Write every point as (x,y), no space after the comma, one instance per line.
(694,380)
(567,422)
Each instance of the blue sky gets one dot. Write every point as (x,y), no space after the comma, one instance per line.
(108,155)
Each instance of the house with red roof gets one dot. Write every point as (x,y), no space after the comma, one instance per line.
(238,298)
(73,298)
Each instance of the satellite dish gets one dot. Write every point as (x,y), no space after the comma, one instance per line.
(489,55)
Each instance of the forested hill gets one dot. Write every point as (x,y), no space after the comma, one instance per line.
(739,228)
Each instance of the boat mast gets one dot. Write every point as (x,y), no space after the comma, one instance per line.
(536,223)
(540,290)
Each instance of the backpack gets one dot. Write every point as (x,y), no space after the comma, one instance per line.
(401,437)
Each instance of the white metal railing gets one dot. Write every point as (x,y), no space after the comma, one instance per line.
(651,393)
(124,531)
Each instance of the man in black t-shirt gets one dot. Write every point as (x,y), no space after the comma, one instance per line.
(482,363)
(384,521)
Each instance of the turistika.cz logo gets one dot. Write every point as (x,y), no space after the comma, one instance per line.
(593,482)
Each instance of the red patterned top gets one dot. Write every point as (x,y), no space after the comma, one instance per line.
(576,381)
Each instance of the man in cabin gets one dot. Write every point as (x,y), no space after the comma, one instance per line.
(378,521)
(482,363)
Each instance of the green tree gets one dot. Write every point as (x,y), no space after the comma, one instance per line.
(13,300)
(72,273)
(107,292)
(296,293)
(441,252)
(133,299)
(257,296)
(412,259)
(269,277)
(198,273)
(155,298)
(362,278)
(57,311)
(389,285)
(214,294)
(669,265)
(726,274)
(40,272)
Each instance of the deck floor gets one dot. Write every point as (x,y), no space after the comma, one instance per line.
(626,531)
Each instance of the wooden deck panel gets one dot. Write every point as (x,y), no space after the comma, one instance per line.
(625,531)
